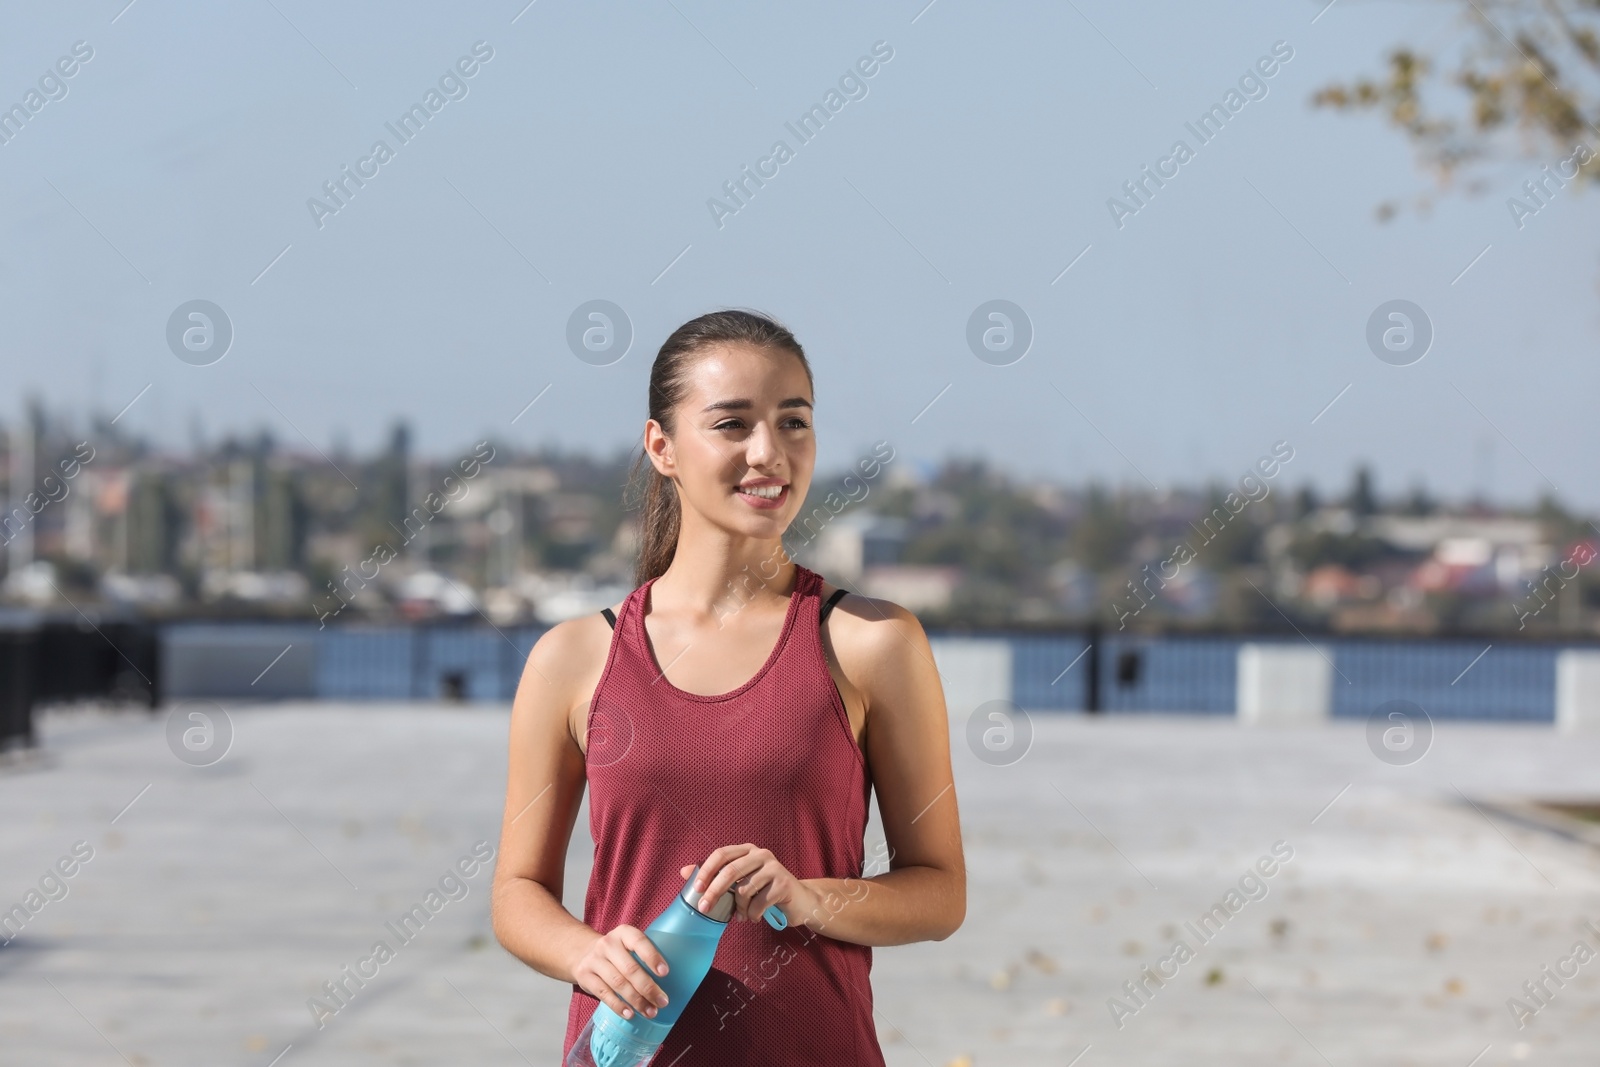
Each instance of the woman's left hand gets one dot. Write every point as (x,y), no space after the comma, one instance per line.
(758,880)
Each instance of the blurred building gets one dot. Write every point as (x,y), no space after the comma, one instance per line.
(244,526)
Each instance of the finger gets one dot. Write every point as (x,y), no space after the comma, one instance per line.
(719,859)
(759,903)
(611,980)
(718,883)
(745,888)
(709,868)
(683,872)
(620,951)
(645,949)
(639,987)
(706,875)
(739,868)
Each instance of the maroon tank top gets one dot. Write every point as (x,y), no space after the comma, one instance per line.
(673,775)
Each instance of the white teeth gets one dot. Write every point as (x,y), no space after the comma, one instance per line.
(770,492)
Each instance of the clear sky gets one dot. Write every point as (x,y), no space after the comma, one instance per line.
(1221,317)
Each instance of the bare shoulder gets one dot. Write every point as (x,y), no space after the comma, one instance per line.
(876,638)
(570,656)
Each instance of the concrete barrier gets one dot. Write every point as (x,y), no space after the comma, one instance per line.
(1577,690)
(975,670)
(260,662)
(1283,685)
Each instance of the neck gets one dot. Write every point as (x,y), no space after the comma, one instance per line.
(715,572)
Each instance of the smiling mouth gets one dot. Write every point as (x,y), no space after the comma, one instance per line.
(763,496)
(768,492)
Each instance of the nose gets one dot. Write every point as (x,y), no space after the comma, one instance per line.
(761,447)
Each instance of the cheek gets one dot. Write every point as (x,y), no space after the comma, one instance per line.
(704,468)
(799,468)
(803,457)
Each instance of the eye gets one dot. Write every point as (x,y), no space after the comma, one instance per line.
(729,424)
(797,423)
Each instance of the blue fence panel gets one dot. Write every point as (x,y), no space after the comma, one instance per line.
(1170,673)
(413,662)
(365,663)
(1048,672)
(1509,683)
(1185,674)
(476,654)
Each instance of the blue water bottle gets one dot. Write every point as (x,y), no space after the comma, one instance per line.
(687,938)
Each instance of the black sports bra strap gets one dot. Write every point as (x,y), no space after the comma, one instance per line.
(610,617)
(838,594)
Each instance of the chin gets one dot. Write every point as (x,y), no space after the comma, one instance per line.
(763,526)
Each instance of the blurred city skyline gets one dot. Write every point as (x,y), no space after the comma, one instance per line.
(513,536)
(1171,347)
(200,441)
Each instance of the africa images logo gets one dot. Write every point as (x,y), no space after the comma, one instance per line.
(1205,129)
(452,85)
(741,189)
(453,885)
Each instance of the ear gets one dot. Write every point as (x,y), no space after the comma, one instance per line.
(658,447)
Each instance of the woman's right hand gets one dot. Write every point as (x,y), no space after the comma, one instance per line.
(609,971)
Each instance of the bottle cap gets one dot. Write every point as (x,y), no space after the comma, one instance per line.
(721,911)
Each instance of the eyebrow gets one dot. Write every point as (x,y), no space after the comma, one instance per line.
(746,405)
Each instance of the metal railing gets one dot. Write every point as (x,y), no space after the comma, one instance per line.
(1071,671)
(1451,678)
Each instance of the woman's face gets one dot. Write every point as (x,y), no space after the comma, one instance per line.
(742,448)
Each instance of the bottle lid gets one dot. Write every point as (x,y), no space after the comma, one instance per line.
(721,911)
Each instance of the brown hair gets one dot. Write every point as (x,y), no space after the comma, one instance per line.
(669,381)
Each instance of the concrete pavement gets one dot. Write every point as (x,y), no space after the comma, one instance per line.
(219,899)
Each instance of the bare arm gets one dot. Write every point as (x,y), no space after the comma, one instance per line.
(884,653)
(544,787)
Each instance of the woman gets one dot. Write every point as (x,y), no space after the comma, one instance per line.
(722,716)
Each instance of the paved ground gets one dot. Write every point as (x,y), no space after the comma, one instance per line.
(224,897)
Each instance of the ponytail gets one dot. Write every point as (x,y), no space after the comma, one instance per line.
(652,492)
(658,519)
